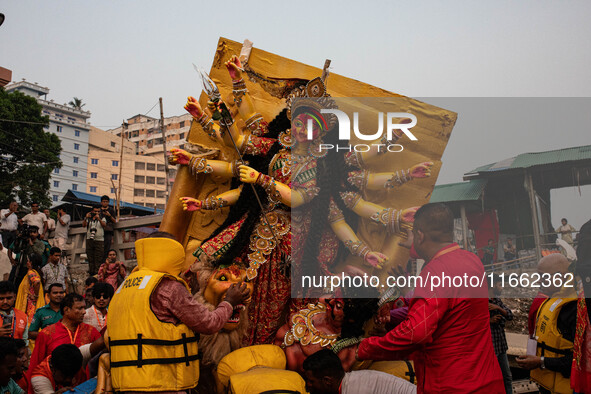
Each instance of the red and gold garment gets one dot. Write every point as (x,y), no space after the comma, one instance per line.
(580,376)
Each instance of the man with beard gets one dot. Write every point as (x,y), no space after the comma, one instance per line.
(14,322)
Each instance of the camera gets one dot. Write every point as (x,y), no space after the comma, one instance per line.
(23,231)
(92,233)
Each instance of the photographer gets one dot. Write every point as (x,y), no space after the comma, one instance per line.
(14,322)
(95,237)
(109,215)
(27,243)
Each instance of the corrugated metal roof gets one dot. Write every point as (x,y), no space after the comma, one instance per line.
(72,195)
(527,160)
(462,191)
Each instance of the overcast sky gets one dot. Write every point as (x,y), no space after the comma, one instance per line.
(120,56)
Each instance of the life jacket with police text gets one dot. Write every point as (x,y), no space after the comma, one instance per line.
(148,354)
(551,343)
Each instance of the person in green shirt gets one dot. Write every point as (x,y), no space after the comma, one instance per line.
(50,313)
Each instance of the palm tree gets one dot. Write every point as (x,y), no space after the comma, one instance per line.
(76,103)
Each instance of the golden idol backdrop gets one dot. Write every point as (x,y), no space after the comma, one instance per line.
(433,130)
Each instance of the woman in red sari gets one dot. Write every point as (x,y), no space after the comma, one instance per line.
(111,270)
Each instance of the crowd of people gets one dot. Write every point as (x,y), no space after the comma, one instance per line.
(53,339)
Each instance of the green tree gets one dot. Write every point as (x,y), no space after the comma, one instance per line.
(28,154)
(76,103)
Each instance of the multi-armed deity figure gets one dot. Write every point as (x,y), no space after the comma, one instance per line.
(310,198)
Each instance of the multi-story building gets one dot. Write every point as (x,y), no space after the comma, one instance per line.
(143,178)
(144,132)
(71,126)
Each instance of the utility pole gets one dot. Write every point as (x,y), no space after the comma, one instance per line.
(123,130)
(163,131)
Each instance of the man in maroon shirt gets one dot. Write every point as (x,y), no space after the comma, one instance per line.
(447,330)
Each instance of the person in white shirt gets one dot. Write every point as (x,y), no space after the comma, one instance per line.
(62,226)
(9,224)
(324,374)
(96,315)
(50,225)
(36,218)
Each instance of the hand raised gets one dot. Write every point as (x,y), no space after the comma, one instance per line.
(234,67)
(179,156)
(408,214)
(421,170)
(248,174)
(190,204)
(193,107)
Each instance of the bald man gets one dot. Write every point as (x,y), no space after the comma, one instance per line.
(447,330)
(554,327)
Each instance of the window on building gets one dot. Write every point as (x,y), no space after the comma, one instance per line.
(76,133)
(94,161)
(56,183)
(160,167)
(59,129)
(113,190)
(54,198)
(94,175)
(150,180)
(75,159)
(115,163)
(140,179)
(113,144)
(74,186)
(74,172)
(159,206)
(56,170)
(140,165)
(150,193)
(138,192)
(182,136)
(114,176)
(151,167)
(182,124)
(76,146)
(161,193)
(93,189)
(160,181)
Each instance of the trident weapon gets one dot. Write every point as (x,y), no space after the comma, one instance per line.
(223,116)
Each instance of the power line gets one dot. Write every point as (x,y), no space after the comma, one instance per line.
(21,121)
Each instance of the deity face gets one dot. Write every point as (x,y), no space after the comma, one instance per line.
(219,282)
(299,128)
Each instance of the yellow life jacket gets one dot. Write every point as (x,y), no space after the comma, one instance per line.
(551,343)
(146,353)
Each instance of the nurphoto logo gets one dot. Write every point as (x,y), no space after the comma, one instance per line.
(344,126)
